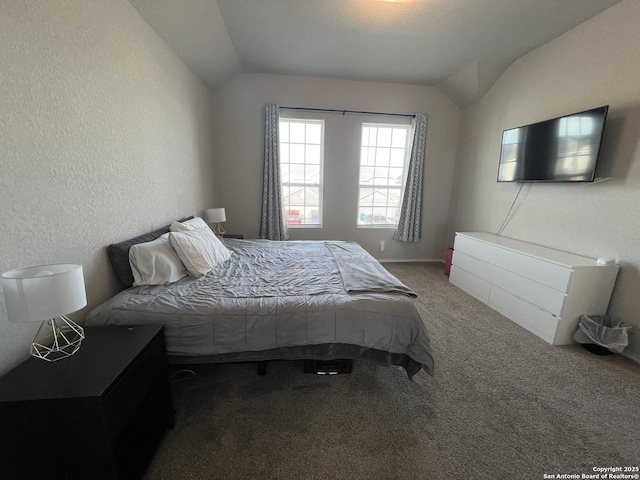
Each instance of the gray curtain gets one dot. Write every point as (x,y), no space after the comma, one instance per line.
(272,224)
(410,224)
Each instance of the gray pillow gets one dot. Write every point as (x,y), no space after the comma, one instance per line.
(118,254)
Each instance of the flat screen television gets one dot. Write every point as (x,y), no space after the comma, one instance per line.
(563,149)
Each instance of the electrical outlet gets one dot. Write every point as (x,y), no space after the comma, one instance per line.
(382,245)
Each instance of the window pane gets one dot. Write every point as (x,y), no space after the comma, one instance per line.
(284,153)
(393,215)
(382,176)
(366,197)
(301,170)
(367,156)
(397,157)
(312,174)
(292,216)
(365,216)
(399,139)
(297,132)
(365,136)
(284,131)
(284,172)
(297,173)
(366,175)
(396,176)
(314,133)
(373,135)
(382,156)
(380,197)
(381,180)
(394,196)
(312,196)
(379,216)
(296,196)
(296,154)
(313,154)
(384,137)
(312,216)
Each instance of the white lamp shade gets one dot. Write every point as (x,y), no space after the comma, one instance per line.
(40,293)
(215,215)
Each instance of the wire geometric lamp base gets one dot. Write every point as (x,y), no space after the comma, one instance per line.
(60,339)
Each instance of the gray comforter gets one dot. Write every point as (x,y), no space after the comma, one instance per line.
(311,298)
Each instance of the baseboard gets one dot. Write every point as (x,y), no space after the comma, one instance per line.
(399,260)
(631,356)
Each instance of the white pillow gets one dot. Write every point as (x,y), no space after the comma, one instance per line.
(190,224)
(155,263)
(199,250)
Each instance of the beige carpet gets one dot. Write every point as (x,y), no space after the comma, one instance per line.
(503,404)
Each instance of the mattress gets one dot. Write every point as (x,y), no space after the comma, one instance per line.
(277,300)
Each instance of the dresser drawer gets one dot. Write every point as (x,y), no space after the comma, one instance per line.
(533,292)
(474,248)
(471,284)
(546,273)
(472,265)
(524,314)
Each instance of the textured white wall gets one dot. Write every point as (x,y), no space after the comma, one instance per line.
(597,63)
(238,124)
(104,134)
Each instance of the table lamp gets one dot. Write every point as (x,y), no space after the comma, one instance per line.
(46,294)
(215,216)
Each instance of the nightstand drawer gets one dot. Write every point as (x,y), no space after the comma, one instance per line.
(128,392)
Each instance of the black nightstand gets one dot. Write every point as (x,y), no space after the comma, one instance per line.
(234,235)
(99,414)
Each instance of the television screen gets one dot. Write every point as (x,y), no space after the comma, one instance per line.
(563,149)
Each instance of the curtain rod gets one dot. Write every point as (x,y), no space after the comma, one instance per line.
(344,112)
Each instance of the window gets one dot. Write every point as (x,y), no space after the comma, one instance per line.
(383,158)
(301,158)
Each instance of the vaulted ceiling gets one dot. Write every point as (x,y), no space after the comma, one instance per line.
(460,46)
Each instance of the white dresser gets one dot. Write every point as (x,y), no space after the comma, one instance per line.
(542,289)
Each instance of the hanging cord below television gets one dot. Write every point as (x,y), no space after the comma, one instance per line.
(504,224)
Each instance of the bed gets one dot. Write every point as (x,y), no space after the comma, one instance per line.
(272,300)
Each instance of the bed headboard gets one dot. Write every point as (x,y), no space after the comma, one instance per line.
(118,254)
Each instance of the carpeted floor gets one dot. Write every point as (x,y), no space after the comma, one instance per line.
(503,404)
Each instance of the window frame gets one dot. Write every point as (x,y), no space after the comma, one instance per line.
(319,185)
(407,149)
